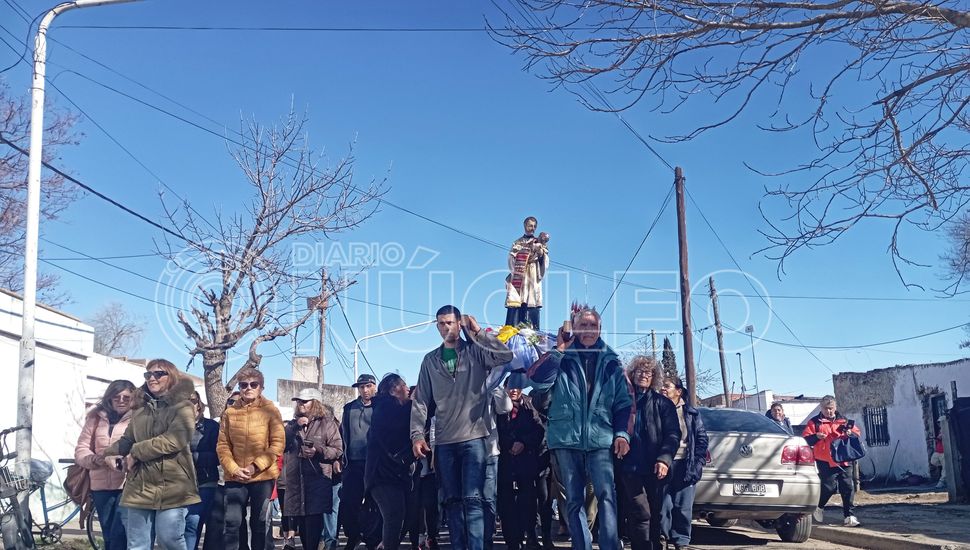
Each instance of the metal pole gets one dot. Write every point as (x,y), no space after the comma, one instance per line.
(754,363)
(744,397)
(369,336)
(653,344)
(25,387)
(685,288)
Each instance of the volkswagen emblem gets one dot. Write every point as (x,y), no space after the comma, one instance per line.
(746,450)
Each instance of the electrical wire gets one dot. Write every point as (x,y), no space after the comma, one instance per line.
(343,312)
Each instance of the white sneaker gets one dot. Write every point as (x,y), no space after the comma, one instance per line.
(851,521)
(819,515)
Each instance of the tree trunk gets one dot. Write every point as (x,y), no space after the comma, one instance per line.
(215,393)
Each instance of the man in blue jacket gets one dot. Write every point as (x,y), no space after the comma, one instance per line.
(590,416)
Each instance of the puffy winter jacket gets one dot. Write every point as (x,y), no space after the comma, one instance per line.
(820,432)
(158,438)
(578,420)
(99,431)
(251,433)
(309,481)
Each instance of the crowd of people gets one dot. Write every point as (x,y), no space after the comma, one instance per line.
(617,451)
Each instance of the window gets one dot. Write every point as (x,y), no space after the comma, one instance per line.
(877,426)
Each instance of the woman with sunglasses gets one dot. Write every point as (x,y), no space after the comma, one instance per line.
(161,483)
(313,445)
(251,438)
(104,424)
(653,442)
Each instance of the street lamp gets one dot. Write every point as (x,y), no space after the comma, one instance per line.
(25,388)
(369,336)
(744,397)
(750,330)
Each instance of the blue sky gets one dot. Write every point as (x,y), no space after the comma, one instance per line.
(467,138)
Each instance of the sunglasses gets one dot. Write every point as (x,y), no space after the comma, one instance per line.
(247,385)
(156,374)
(121,398)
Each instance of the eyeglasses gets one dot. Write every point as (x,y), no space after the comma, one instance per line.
(247,385)
(121,398)
(156,374)
(643,373)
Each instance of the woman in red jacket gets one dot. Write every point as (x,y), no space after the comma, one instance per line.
(821,431)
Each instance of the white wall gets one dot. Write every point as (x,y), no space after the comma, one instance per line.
(905,418)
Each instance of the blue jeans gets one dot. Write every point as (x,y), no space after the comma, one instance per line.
(169,526)
(575,468)
(461,473)
(490,494)
(197,515)
(677,512)
(330,521)
(109,516)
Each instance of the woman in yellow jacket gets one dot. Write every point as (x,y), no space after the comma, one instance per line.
(251,438)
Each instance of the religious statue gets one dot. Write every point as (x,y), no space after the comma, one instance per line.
(528,261)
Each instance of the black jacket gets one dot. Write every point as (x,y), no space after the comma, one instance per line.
(204,455)
(526,428)
(696,448)
(656,433)
(354,425)
(389,456)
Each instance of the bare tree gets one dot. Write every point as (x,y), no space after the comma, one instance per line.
(57,193)
(884,95)
(116,331)
(957,258)
(251,290)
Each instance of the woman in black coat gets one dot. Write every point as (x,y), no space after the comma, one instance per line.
(686,469)
(388,470)
(654,440)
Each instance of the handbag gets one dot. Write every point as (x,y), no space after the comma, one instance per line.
(77,483)
(848,449)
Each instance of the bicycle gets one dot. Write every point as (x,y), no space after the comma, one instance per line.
(50,532)
(14,522)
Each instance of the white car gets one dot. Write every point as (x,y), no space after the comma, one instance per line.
(756,471)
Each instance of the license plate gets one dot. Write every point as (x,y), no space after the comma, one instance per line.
(750,488)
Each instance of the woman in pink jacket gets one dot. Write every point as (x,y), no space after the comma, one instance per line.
(105,424)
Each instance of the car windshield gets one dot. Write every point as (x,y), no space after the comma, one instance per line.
(733,420)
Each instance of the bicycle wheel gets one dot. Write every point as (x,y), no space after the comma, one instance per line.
(16,527)
(89,528)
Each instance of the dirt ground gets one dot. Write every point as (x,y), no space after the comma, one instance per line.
(907,511)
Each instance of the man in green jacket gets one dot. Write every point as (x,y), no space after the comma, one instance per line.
(590,415)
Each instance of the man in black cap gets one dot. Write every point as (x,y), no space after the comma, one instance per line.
(354,426)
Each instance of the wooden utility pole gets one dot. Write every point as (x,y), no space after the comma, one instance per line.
(320,303)
(720,342)
(685,288)
(653,344)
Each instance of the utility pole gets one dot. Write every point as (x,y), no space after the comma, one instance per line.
(720,342)
(744,397)
(754,362)
(325,301)
(653,343)
(28,343)
(685,288)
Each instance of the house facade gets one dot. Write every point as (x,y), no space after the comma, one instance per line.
(897,409)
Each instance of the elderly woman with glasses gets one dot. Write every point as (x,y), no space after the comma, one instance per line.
(104,424)
(653,442)
(251,439)
(161,482)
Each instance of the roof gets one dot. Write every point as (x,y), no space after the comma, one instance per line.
(910,366)
(40,305)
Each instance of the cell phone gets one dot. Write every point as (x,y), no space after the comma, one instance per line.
(308,444)
(567,330)
(850,424)
(118,463)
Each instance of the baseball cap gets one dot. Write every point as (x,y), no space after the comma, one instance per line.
(309,394)
(364,379)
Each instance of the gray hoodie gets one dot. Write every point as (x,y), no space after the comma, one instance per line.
(460,401)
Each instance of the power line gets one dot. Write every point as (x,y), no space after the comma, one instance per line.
(738,266)
(860,346)
(106,285)
(241,28)
(663,207)
(343,312)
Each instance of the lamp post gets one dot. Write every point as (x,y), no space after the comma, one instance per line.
(744,397)
(754,363)
(25,388)
(369,336)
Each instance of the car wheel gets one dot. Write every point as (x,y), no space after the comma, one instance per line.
(722,522)
(792,528)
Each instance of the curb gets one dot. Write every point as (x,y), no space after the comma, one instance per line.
(863,538)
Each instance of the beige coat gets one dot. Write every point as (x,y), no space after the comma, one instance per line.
(531,292)
(95,430)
